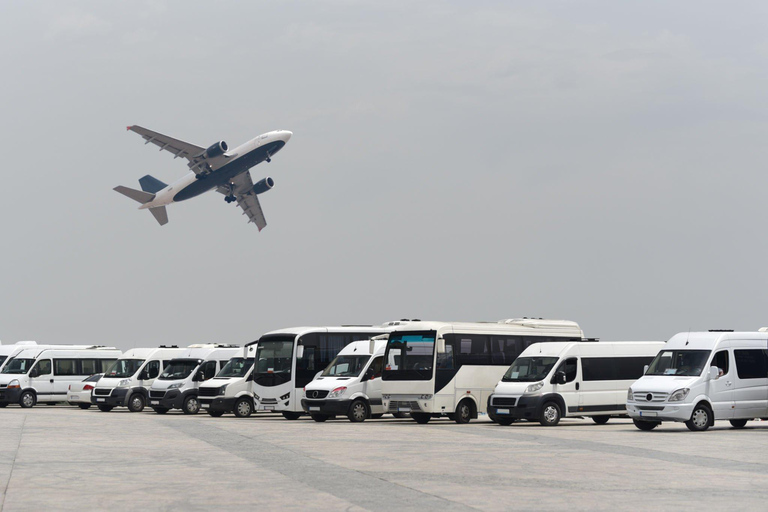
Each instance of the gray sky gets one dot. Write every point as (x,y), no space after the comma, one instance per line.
(601,162)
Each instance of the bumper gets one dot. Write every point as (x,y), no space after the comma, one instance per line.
(328,407)
(666,412)
(10,396)
(79,397)
(217,404)
(171,400)
(526,407)
(116,398)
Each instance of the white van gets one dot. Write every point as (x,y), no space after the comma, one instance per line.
(231,390)
(549,381)
(700,377)
(41,374)
(8,352)
(127,382)
(350,385)
(176,387)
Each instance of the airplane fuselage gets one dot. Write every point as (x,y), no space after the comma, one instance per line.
(239,160)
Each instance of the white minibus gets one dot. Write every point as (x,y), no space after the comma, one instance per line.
(230,390)
(8,352)
(42,374)
(700,377)
(176,387)
(549,381)
(127,382)
(288,359)
(350,385)
(434,369)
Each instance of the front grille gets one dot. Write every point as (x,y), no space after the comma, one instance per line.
(642,396)
(650,408)
(396,405)
(503,401)
(156,394)
(316,394)
(102,391)
(3,385)
(208,392)
(269,401)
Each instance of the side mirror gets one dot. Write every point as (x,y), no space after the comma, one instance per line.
(299,351)
(441,345)
(144,375)
(371,346)
(368,374)
(34,372)
(645,369)
(560,378)
(714,372)
(250,377)
(199,377)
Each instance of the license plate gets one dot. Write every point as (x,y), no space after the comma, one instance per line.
(75,397)
(101,399)
(314,408)
(205,406)
(403,409)
(647,413)
(269,407)
(154,402)
(502,411)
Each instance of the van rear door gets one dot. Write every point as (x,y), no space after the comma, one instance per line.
(751,385)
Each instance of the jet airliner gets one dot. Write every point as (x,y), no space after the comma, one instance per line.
(213,168)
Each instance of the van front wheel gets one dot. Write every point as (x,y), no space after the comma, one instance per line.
(27,399)
(601,420)
(291,415)
(243,407)
(701,418)
(136,403)
(550,414)
(191,405)
(505,421)
(105,408)
(646,425)
(420,417)
(358,411)
(738,423)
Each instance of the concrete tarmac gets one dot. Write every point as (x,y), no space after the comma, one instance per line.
(64,458)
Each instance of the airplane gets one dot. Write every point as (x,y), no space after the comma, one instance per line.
(214,168)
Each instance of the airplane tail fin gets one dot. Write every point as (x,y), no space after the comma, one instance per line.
(136,195)
(151,184)
(160,214)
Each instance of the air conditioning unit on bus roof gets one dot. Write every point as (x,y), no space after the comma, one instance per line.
(541,323)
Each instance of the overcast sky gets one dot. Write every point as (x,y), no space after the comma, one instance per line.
(602,162)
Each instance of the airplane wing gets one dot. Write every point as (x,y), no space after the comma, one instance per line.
(246,199)
(178,147)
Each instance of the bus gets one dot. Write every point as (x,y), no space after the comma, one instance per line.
(286,360)
(434,369)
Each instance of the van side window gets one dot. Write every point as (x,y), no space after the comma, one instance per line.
(89,366)
(569,368)
(209,370)
(65,367)
(721,361)
(377,365)
(752,363)
(44,367)
(153,369)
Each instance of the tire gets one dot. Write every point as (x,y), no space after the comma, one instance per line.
(701,418)
(376,416)
(601,420)
(105,408)
(400,414)
(160,410)
(358,411)
(319,417)
(190,405)
(291,415)
(738,423)
(27,399)
(420,418)
(84,406)
(136,403)
(463,412)
(550,414)
(505,421)
(646,425)
(215,414)
(243,407)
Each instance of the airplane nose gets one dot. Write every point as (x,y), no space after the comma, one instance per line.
(287,135)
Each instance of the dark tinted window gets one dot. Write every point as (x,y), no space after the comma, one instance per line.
(208,370)
(473,349)
(153,369)
(569,368)
(751,364)
(319,350)
(377,366)
(505,349)
(65,367)
(721,361)
(44,367)
(613,368)
(90,366)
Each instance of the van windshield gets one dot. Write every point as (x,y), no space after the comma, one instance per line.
(346,366)
(529,369)
(123,368)
(236,367)
(179,370)
(19,366)
(688,363)
(2,358)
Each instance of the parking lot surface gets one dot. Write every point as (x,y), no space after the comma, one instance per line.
(63,458)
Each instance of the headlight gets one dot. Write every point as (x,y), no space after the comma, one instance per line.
(425,397)
(336,393)
(222,389)
(177,385)
(534,387)
(14,384)
(678,395)
(630,395)
(124,383)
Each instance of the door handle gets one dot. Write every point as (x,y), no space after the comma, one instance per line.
(727,383)
(51,380)
(577,386)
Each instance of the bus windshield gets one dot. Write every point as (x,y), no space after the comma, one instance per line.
(274,356)
(409,356)
(123,368)
(19,366)
(529,369)
(346,366)
(236,367)
(688,363)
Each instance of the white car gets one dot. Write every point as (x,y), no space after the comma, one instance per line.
(79,394)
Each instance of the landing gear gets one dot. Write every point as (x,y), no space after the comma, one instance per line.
(201,176)
(230,199)
(269,157)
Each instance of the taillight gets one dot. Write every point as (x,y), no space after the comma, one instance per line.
(69,387)
(86,387)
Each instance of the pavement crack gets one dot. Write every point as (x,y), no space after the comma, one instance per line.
(13,464)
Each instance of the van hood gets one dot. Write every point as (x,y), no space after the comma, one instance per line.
(217,382)
(5,378)
(164,384)
(662,383)
(512,388)
(110,382)
(330,383)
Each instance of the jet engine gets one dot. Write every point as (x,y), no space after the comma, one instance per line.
(217,149)
(263,185)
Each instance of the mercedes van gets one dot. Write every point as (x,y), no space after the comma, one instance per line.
(700,377)
(230,390)
(549,381)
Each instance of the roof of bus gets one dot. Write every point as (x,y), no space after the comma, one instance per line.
(520,326)
(35,352)
(298,331)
